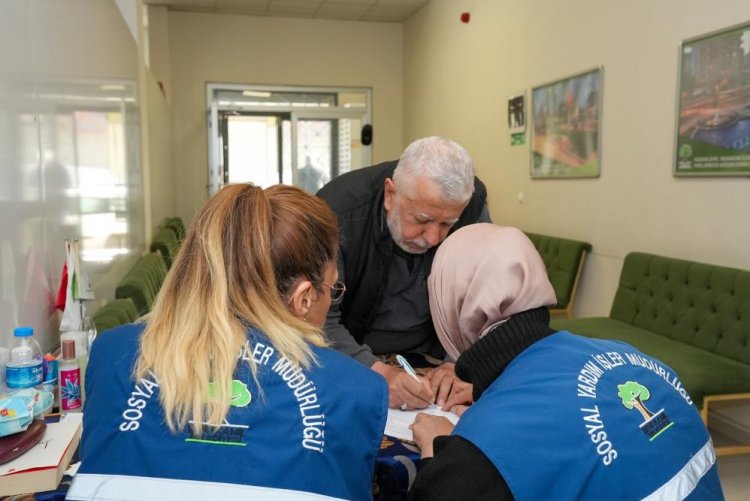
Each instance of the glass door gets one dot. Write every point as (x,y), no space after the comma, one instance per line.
(299,137)
(323,145)
(253,148)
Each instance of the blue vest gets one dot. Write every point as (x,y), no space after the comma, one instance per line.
(578,418)
(308,434)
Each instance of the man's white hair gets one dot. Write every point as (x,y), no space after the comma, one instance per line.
(439,160)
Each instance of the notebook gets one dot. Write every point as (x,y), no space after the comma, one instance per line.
(41,468)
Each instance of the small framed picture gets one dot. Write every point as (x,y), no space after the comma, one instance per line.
(566,126)
(713,105)
(517,119)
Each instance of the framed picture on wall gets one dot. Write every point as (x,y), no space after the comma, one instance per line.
(517,119)
(713,105)
(565,134)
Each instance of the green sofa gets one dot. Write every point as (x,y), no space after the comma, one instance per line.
(175,225)
(142,282)
(695,317)
(563,259)
(114,313)
(165,242)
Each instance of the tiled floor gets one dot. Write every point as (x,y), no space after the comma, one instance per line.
(734,472)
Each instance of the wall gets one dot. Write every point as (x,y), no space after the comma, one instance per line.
(158,42)
(458,77)
(160,167)
(69,154)
(212,48)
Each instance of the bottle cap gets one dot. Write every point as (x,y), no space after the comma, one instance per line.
(81,339)
(23,331)
(68,349)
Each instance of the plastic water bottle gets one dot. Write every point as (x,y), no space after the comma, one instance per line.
(24,369)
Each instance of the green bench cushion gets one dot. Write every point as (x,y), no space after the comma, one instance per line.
(114,313)
(174,224)
(142,283)
(137,291)
(165,242)
(106,322)
(701,372)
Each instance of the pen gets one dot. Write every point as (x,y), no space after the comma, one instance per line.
(410,371)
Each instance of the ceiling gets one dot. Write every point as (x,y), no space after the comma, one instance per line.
(350,10)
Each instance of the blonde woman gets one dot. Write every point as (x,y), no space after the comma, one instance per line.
(226,390)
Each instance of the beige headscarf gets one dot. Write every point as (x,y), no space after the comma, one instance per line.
(482,274)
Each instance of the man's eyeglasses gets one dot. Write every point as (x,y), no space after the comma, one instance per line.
(337,291)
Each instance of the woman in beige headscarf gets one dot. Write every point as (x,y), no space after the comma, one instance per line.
(533,433)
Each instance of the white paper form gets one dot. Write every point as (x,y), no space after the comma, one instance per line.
(398,422)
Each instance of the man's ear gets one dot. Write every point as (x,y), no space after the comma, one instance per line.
(389,195)
(300,300)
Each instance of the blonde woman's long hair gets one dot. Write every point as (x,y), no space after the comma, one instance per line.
(235,268)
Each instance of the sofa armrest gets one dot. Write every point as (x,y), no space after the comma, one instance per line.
(563,259)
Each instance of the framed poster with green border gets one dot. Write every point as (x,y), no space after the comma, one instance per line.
(565,133)
(517,119)
(713,105)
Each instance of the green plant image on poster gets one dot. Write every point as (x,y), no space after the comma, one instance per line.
(713,105)
(566,127)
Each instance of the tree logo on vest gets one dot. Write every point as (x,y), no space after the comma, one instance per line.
(227,433)
(241,396)
(632,395)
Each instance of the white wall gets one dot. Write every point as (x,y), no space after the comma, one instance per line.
(69,158)
(458,77)
(158,41)
(208,48)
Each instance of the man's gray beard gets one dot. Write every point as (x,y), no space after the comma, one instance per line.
(394,226)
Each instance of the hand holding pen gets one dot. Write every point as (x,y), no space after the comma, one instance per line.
(412,373)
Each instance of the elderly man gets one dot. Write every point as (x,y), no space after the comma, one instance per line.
(392,217)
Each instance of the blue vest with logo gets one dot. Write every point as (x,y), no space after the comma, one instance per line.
(307,434)
(578,418)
